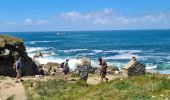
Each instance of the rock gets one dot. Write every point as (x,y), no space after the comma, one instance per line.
(46,53)
(51,68)
(38,54)
(92,70)
(85,61)
(12,48)
(114,68)
(51,64)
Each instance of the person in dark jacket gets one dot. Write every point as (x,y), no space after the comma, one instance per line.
(66,69)
(103,70)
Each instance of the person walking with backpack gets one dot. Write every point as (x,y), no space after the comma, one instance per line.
(19,67)
(66,69)
(103,70)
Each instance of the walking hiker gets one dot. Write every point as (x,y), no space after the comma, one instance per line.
(103,70)
(66,69)
(18,66)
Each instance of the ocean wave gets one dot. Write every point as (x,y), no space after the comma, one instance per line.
(124,51)
(45,60)
(150,66)
(165,72)
(50,36)
(34,49)
(85,54)
(123,56)
(72,50)
(97,51)
(45,41)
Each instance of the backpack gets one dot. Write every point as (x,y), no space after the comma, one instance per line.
(62,65)
(104,64)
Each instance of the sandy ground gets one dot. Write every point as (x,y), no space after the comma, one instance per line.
(97,79)
(9,88)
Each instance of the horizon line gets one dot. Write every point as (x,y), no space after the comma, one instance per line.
(88,30)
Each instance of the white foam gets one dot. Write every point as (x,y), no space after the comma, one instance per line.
(123,56)
(45,60)
(50,36)
(45,41)
(97,51)
(31,42)
(85,54)
(34,49)
(165,72)
(72,50)
(124,51)
(150,66)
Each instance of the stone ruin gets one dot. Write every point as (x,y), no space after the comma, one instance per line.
(133,68)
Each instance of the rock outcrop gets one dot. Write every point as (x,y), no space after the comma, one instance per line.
(38,54)
(10,49)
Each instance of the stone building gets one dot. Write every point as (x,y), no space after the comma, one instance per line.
(133,68)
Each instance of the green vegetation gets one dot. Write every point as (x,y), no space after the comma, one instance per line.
(11,97)
(148,87)
(4,39)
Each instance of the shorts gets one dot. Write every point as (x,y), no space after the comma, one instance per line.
(66,70)
(103,73)
(19,72)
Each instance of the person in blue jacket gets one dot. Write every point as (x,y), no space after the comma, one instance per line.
(19,67)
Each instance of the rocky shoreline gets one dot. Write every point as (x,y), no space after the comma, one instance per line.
(11,48)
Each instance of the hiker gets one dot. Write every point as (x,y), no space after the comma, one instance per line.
(65,68)
(103,70)
(19,66)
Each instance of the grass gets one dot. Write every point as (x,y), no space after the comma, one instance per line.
(10,98)
(148,87)
(4,39)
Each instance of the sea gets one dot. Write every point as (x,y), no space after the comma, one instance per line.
(117,47)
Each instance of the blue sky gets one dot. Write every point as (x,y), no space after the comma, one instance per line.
(65,15)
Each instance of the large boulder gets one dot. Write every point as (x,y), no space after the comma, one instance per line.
(113,70)
(11,49)
(51,68)
(38,54)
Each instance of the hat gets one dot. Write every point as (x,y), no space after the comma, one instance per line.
(67,59)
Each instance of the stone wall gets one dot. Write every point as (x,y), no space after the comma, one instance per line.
(136,69)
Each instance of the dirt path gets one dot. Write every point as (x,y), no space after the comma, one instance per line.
(96,80)
(8,88)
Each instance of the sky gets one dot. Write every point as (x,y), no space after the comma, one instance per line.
(79,15)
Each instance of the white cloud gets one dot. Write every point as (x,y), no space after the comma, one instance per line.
(107,17)
(101,21)
(41,22)
(73,15)
(28,21)
(35,22)
(10,23)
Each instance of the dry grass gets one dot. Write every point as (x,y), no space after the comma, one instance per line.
(4,39)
